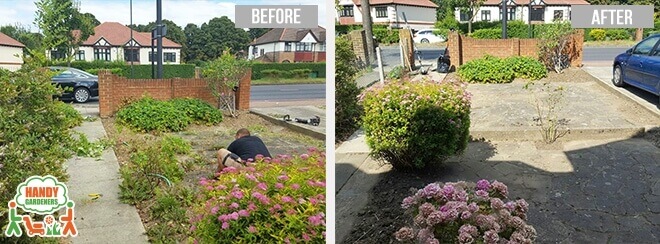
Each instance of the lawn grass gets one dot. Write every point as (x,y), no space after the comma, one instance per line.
(273,81)
(618,43)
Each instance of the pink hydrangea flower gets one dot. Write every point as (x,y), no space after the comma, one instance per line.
(252,229)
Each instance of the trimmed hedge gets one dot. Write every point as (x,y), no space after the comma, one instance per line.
(258,68)
(139,71)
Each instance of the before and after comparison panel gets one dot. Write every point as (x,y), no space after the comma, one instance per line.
(213,121)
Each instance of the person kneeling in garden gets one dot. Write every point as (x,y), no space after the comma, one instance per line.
(245,147)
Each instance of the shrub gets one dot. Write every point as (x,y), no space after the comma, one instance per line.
(347,109)
(554,50)
(139,71)
(280,200)
(199,111)
(617,34)
(464,212)
(35,133)
(488,69)
(597,34)
(273,73)
(414,124)
(396,73)
(300,73)
(116,71)
(316,68)
(148,114)
(385,35)
(526,67)
(487,34)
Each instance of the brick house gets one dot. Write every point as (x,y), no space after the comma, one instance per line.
(11,53)
(112,41)
(420,14)
(289,45)
(543,11)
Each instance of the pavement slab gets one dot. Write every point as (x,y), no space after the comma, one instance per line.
(106,219)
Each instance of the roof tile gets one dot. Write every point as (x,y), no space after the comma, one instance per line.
(6,40)
(118,35)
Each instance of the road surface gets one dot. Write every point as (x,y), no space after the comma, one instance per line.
(287,92)
(601,56)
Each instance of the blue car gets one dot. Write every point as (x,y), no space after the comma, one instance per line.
(640,66)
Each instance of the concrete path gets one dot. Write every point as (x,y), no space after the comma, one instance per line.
(645,99)
(105,220)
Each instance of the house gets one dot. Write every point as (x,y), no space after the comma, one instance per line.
(542,11)
(11,53)
(420,14)
(289,45)
(112,41)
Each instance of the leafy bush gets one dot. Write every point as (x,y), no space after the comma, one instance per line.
(464,212)
(449,22)
(273,73)
(386,36)
(278,200)
(316,68)
(554,51)
(199,111)
(597,34)
(345,29)
(396,73)
(526,67)
(148,114)
(139,71)
(487,34)
(617,34)
(35,132)
(300,73)
(347,109)
(488,69)
(414,124)
(116,71)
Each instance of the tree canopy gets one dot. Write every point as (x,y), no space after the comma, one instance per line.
(208,41)
(58,19)
(23,35)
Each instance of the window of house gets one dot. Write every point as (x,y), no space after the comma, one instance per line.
(511,12)
(346,11)
(466,15)
(80,55)
(303,47)
(558,15)
(287,46)
(485,15)
(537,14)
(261,52)
(55,54)
(152,56)
(381,12)
(322,47)
(102,54)
(131,55)
(169,57)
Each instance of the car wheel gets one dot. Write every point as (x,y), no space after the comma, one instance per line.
(424,40)
(81,94)
(617,76)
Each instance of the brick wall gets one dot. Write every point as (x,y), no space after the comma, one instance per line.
(114,90)
(463,49)
(357,38)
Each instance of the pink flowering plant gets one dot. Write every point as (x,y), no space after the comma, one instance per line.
(464,212)
(412,123)
(279,200)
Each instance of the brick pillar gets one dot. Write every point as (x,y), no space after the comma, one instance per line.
(243,94)
(455,48)
(105,93)
(577,49)
(198,73)
(359,45)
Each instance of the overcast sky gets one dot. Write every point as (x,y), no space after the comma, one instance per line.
(181,12)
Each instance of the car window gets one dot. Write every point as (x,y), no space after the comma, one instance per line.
(645,47)
(423,32)
(65,74)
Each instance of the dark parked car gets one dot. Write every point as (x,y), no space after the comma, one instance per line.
(640,66)
(79,85)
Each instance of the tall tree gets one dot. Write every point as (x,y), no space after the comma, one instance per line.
(255,33)
(368,31)
(23,35)
(471,7)
(93,20)
(58,19)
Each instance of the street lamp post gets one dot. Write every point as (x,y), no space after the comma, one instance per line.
(504,18)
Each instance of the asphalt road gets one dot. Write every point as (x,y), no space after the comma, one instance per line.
(602,54)
(287,92)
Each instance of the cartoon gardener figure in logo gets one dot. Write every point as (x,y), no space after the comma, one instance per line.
(67,220)
(15,220)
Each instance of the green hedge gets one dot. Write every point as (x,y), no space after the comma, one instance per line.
(491,69)
(258,68)
(139,71)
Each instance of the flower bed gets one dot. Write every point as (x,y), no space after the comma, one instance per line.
(466,213)
(272,200)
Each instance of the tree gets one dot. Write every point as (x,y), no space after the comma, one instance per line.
(471,7)
(368,31)
(64,27)
(92,19)
(224,75)
(255,33)
(211,39)
(24,35)
(553,45)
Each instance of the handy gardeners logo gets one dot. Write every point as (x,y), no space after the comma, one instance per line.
(42,195)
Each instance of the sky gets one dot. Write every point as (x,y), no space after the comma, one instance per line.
(181,12)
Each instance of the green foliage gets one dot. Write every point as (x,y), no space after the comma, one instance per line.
(226,72)
(548,100)
(116,71)
(347,109)
(487,34)
(270,201)
(553,46)
(300,73)
(168,215)
(396,73)
(277,74)
(257,68)
(174,33)
(617,34)
(384,35)
(139,71)
(449,22)
(35,134)
(597,34)
(345,29)
(84,148)
(148,114)
(414,124)
(490,69)
(175,144)
(58,19)
(199,111)
(208,41)
(24,35)
(273,73)
(526,67)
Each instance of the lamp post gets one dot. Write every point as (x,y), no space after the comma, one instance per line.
(504,18)
(529,14)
